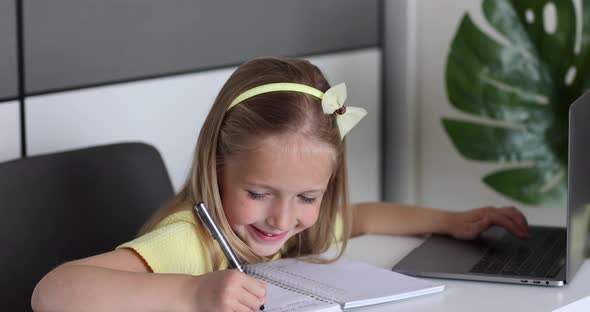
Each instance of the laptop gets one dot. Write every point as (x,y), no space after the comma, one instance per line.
(550,257)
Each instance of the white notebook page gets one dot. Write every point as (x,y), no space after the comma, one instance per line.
(282,300)
(363,284)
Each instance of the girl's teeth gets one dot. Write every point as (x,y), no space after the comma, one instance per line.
(266,234)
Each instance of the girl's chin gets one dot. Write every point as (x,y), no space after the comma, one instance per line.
(264,250)
(265,253)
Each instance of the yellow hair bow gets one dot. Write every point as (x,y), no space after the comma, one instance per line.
(346,116)
(332,101)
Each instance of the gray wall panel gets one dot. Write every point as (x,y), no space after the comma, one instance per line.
(10,137)
(72,43)
(399,110)
(8,63)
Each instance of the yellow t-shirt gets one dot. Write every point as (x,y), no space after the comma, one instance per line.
(175,246)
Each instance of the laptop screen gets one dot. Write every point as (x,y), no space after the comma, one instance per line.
(578,184)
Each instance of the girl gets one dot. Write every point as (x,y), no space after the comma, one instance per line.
(270,165)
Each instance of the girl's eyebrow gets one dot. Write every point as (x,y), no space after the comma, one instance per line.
(314,191)
(264,186)
(259,185)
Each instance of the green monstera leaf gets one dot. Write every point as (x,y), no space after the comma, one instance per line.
(518,85)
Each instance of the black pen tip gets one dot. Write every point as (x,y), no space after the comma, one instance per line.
(262,307)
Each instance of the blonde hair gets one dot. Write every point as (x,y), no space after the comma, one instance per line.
(226,134)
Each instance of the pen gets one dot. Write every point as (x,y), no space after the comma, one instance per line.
(211,226)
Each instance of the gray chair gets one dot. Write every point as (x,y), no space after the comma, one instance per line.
(69,205)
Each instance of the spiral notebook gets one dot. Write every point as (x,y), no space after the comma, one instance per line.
(294,285)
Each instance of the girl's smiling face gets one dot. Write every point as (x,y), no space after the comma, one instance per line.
(275,191)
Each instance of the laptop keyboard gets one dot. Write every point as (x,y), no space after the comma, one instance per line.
(542,255)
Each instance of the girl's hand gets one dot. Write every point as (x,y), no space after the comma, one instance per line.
(469,224)
(228,290)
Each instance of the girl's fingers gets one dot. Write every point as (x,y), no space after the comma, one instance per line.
(476,228)
(256,293)
(255,286)
(516,216)
(502,220)
(250,301)
(474,222)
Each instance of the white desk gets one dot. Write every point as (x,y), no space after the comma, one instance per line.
(385,251)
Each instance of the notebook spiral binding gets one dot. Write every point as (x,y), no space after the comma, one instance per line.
(296,283)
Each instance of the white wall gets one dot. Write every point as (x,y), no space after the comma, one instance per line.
(167,113)
(361,71)
(444,178)
(10,143)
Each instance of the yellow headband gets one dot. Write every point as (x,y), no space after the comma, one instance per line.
(332,101)
(274,87)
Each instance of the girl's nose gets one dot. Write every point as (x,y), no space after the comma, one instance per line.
(281,216)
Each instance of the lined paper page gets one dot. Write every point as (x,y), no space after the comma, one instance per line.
(282,300)
(362,284)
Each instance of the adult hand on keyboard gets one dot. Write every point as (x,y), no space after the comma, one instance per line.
(469,224)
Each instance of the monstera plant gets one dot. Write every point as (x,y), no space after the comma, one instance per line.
(517,81)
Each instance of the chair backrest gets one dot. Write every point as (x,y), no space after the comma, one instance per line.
(71,205)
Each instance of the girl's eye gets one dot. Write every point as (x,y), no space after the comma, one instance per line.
(307,200)
(256,196)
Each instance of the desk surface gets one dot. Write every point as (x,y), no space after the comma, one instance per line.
(385,251)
